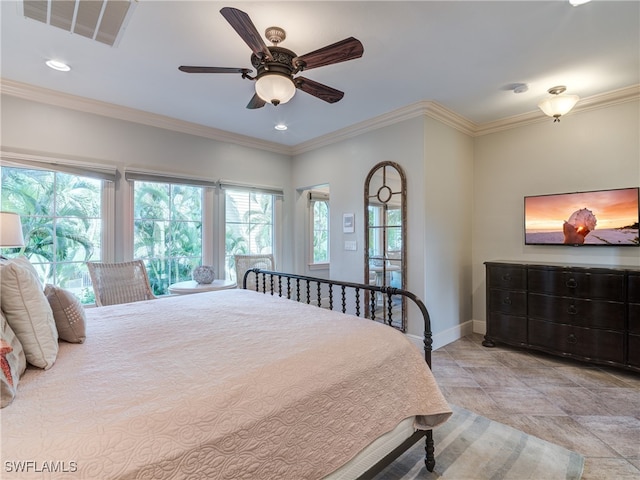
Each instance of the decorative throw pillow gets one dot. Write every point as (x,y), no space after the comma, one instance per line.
(28,312)
(12,362)
(25,263)
(68,313)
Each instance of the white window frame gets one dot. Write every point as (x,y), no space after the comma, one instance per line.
(209,217)
(80,167)
(313,198)
(277,227)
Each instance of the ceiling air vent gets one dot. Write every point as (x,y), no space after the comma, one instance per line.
(102,21)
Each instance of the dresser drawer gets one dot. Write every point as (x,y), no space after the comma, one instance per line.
(576,311)
(634,350)
(507,277)
(508,301)
(634,288)
(508,328)
(577,283)
(585,343)
(634,318)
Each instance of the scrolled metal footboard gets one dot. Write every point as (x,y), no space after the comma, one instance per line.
(302,288)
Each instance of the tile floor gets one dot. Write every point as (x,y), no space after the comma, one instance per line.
(592,410)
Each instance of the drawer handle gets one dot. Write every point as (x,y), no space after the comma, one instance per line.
(506,301)
(572,310)
(572,283)
(506,277)
(572,339)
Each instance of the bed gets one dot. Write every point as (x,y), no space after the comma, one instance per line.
(234,384)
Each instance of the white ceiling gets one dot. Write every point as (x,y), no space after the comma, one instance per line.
(462,55)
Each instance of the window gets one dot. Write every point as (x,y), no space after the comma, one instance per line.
(62,220)
(319,220)
(167,231)
(249,224)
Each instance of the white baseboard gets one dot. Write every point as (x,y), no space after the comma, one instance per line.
(443,338)
(479,326)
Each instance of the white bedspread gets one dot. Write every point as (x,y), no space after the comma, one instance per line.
(230,384)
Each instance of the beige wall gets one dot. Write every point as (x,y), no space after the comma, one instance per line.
(63,132)
(465,195)
(344,166)
(438,163)
(588,150)
(448,197)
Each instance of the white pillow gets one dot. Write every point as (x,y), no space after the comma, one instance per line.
(24,262)
(28,313)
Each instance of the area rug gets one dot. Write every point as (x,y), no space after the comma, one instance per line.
(472,447)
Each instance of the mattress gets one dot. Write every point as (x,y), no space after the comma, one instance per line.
(373,452)
(230,384)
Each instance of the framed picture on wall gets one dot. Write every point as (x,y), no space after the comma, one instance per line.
(348,221)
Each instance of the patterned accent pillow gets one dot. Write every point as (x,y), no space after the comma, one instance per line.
(12,362)
(68,313)
(5,349)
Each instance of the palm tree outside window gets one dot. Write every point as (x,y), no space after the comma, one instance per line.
(62,221)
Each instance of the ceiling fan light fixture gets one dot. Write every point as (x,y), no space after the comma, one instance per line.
(558,104)
(275,88)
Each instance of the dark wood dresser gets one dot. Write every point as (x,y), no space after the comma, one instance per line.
(588,313)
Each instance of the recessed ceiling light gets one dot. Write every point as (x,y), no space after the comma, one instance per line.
(576,3)
(58,65)
(281,127)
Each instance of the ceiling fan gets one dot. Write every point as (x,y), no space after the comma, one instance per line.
(276,67)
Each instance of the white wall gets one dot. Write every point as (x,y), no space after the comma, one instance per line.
(448,197)
(437,161)
(465,195)
(588,150)
(58,131)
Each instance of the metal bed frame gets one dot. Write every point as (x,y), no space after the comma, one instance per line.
(299,288)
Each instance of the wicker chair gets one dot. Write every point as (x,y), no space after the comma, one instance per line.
(247,262)
(123,282)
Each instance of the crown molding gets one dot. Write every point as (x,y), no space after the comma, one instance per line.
(424,108)
(608,99)
(74,102)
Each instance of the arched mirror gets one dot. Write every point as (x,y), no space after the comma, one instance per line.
(385,211)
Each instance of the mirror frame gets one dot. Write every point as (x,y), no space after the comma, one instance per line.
(384,194)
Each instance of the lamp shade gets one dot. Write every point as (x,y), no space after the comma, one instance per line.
(10,230)
(275,88)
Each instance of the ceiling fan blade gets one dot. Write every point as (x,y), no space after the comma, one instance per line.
(341,51)
(256,102)
(243,25)
(323,92)
(189,69)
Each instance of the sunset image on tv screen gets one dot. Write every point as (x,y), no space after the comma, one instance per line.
(606,217)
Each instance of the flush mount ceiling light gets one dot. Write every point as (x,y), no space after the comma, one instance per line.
(281,127)
(558,104)
(58,65)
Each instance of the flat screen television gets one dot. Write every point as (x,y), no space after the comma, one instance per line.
(601,217)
